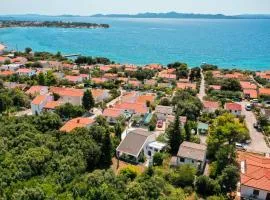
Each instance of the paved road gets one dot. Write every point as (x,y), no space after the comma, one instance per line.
(257,140)
(114,101)
(252,78)
(202,87)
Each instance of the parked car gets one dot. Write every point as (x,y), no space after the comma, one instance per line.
(257,126)
(159,123)
(240,146)
(248,107)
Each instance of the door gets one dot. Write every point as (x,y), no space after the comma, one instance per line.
(268,196)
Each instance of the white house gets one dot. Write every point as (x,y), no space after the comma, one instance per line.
(153,147)
(38,103)
(192,153)
(134,145)
(26,72)
(10,67)
(234,108)
(255,177)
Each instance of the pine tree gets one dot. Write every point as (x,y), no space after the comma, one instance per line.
(88,100)
(187,131)
(174,135)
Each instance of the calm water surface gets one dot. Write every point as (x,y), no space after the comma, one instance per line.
(228,43)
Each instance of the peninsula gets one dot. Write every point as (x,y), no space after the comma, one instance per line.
(54,24)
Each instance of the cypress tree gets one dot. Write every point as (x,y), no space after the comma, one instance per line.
(187,131)
(174,135)
(88,100)
(106,151)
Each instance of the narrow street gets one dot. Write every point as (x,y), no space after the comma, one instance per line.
(202,87)
(257,139)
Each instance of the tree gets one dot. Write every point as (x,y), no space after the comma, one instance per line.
(5,102)
(231,84)
(27,50)
(106,151)
(118,130)
(187,131)
(164,101)
(88,100)
(225,129)
(206,186)
(183,176)
(158,159)
(68,110)
(41,79)
(50,78)
(174,135)
(229,179)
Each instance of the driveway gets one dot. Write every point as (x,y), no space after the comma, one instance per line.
(257,139)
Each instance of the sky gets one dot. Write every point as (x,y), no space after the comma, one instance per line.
(88,7)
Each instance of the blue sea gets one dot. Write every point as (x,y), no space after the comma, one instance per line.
(228,43)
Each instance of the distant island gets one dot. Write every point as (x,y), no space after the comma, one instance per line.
(185,15)
(55,24)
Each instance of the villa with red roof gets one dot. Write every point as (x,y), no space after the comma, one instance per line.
(79,122)
(39,102)
(69,95)
(37,90)
(132,108)
(254,176)
(250,93)
(215,87)
(167,77)
(26,72)
(112,114)
(99,80)
(247,85)
(210,106)
(51,105)
(233,108)
(184,86)
(6,73)
(74,79)
(264,91)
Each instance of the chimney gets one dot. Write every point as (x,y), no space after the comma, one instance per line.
(78,121)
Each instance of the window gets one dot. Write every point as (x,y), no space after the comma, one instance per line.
(149,153)
(182,159)
(256,192)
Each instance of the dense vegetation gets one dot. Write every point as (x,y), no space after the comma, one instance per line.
(57,24)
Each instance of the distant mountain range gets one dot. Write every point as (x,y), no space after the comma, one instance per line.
(186,15)
(159,15)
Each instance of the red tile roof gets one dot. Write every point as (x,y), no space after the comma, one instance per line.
(167,76)
(99,80)
(247,85)
(210,104)
(233,106)
(112,112)
(36,89)
(6,73)
(39,99)
(67,91)
(24,70)
(137,107)
(76,123)
(264,91)
(251,92)
(186,86)
(215,87)
(256,171)
(52,104)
